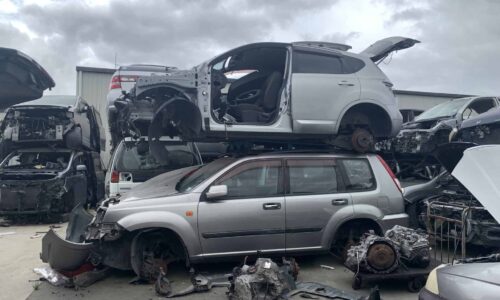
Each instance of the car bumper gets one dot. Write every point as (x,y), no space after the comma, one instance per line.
(63,255)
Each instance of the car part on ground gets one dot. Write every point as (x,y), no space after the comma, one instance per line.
(314,290)
(22,78)
(245,94)
(412,148)
(381,255)
(199,283)
(264,279)
(63,255)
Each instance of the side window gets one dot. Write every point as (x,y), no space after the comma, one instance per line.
(478,107)
(305,62)
(359,175)
(311,176)
(351,65)
(253,179)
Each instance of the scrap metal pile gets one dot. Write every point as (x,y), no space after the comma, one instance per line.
(381,255)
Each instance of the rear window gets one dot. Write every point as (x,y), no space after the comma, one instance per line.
(310,62)
(309,176)
(174,156)
(359,175)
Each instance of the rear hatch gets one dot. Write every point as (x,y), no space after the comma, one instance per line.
(382,48)
(21,78)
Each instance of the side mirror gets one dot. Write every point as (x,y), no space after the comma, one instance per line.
(81,168)
(216,191)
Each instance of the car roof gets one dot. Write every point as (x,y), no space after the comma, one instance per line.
(292,154)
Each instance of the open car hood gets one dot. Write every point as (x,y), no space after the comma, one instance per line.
(380,49)
(479,172)
(21,78)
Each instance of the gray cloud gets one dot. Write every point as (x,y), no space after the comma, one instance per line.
(457,53)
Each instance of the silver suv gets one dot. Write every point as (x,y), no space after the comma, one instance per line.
(269,203)
(308,91)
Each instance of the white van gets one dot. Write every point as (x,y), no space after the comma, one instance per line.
(133,162)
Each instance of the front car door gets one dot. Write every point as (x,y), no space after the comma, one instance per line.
(314,195)
(323,84)
(251,218)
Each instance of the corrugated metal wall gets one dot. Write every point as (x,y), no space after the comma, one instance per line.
(93,87)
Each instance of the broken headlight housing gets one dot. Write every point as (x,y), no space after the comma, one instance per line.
(110,231)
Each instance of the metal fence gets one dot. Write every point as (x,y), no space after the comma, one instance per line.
(447,229)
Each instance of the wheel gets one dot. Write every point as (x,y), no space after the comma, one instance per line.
(362,140)
(416,284)
(356,283)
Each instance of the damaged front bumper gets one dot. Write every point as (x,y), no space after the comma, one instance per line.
(63,255)
(418,141)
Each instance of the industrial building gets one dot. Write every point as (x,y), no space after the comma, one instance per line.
(93,84)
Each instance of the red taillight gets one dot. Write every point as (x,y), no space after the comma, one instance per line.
(115,177)
(118,79)
(388,169)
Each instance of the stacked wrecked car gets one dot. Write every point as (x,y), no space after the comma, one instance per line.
(50,147)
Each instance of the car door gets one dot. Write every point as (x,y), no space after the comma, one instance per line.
(323,83)
(314,195)
(251,217)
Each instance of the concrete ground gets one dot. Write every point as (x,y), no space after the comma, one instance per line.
(19,254)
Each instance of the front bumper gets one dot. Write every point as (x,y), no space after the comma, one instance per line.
(63,255)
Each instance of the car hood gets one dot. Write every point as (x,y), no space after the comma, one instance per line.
(478,170)
(486,272)
(21,78)
(488,117)
(427,123)
(159,186)
(380,49)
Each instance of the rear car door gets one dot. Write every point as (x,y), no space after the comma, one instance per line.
(323,83)
(251,217)
(314,194)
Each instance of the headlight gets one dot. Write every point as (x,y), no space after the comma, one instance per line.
(432,283)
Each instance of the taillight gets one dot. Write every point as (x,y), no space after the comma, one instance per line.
(388,169)
(118,79)
(115,177)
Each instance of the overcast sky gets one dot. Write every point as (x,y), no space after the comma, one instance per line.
(459,52)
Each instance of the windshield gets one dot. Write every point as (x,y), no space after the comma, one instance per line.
(38,160)
(176,155)
(447,109)
(193,179)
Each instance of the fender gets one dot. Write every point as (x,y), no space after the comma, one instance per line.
(360,101)
(333,225)
(167,220)
(340,217)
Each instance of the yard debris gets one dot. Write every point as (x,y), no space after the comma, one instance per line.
(314,290)
(263,280)
(52,276)
(327,267)
(382,255)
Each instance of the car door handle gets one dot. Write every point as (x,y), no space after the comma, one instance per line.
(268,206)
(339,201)
(345,83)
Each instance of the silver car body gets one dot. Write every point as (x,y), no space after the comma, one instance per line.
(234,227)
(310,105)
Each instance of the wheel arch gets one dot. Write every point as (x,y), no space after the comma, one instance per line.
(359,222)
(373,111)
